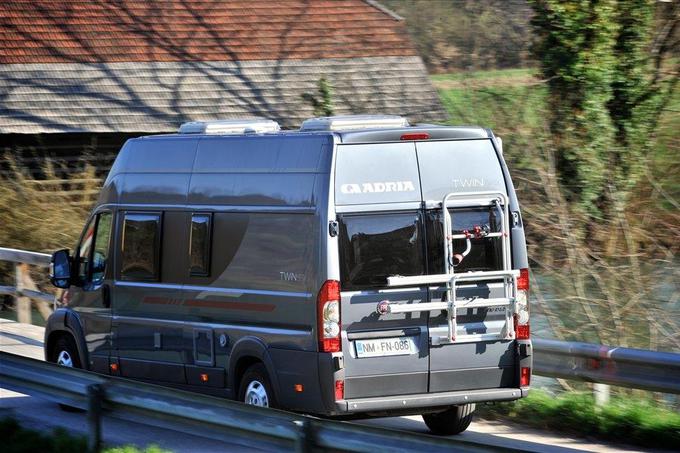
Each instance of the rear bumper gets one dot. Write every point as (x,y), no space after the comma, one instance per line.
(427,400)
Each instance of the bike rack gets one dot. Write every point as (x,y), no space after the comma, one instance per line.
(509,276)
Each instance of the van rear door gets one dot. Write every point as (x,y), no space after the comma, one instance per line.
(482,356)
(378,200)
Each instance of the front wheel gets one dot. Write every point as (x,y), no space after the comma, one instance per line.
(256,388)
(454,420)
(65,353)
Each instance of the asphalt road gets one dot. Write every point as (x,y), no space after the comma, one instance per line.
(36,413)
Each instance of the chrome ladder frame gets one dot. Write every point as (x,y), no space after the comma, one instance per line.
(509,276)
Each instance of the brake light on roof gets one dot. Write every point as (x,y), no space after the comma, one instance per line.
(415,136)
(328,325)
(522,326)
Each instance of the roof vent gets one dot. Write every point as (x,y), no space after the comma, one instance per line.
(240,126)
(350,122)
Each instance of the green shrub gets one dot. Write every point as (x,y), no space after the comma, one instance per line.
(627,420)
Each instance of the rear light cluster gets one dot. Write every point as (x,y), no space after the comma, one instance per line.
(328,309)
(525,376)
(522,327)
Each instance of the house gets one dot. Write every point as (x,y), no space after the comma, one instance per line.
(79,77)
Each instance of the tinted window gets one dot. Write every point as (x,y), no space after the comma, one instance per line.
(199,246)
(140,252)
(485,254)
(101,247)
(376,246)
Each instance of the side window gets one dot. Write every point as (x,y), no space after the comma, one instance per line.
(85,251)
(140,254)
(101,247)
(199,245)
(94,248)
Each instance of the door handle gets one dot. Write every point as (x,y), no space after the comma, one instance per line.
(106,295)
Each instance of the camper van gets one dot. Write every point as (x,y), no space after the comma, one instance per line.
(357,267)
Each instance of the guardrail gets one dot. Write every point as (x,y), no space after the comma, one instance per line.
(206,416)
(636,368)
(25,288)
(626,367)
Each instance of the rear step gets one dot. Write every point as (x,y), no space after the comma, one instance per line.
(509,276)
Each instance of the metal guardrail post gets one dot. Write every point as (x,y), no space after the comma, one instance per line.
(304,442)
(95,397)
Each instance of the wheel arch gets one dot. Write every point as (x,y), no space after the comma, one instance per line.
(246,352)
(65,322)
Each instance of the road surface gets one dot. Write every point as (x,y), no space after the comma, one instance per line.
(36,413)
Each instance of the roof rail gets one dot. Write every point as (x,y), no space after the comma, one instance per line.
(236,126)
(351,122)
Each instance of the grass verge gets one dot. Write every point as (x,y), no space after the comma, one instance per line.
(16,439)
(625,420)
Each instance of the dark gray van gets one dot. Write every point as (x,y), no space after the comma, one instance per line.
(356,267)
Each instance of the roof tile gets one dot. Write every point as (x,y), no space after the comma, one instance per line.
(53,31)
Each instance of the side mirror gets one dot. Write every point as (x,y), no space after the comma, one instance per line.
(60,269)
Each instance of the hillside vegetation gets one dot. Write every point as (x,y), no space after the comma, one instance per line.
(625,267)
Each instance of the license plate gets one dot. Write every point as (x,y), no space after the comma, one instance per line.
(386,346)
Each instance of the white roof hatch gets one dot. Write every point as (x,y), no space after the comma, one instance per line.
(237,126)
(352,122)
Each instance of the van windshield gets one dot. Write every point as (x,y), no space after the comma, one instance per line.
(376,246)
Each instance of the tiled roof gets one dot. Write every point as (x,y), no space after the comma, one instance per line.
(52,31)
(134,66)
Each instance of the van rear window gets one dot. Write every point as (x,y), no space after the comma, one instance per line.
(485,254)
(376,246)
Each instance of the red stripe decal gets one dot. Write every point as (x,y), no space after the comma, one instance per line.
(230,305)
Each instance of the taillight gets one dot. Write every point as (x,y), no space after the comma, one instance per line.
(524,376)
(328,306)
(522,327)
(339,390)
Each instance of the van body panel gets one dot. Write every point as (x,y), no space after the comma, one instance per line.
(458,166)
(252,189)
(376,173)
(395,374)
(263,154)
(139,188)
(163,155)
(297,367)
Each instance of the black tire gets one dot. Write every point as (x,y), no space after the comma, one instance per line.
(257,376)
(66,346)
(454,420)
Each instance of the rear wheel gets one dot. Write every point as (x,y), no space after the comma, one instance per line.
(256,388)
(454,420)
(65,353)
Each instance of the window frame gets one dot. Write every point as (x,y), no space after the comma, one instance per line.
(157,249)
(429,223)
(207,249)
(422,244)
(90,278)
(87,279)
